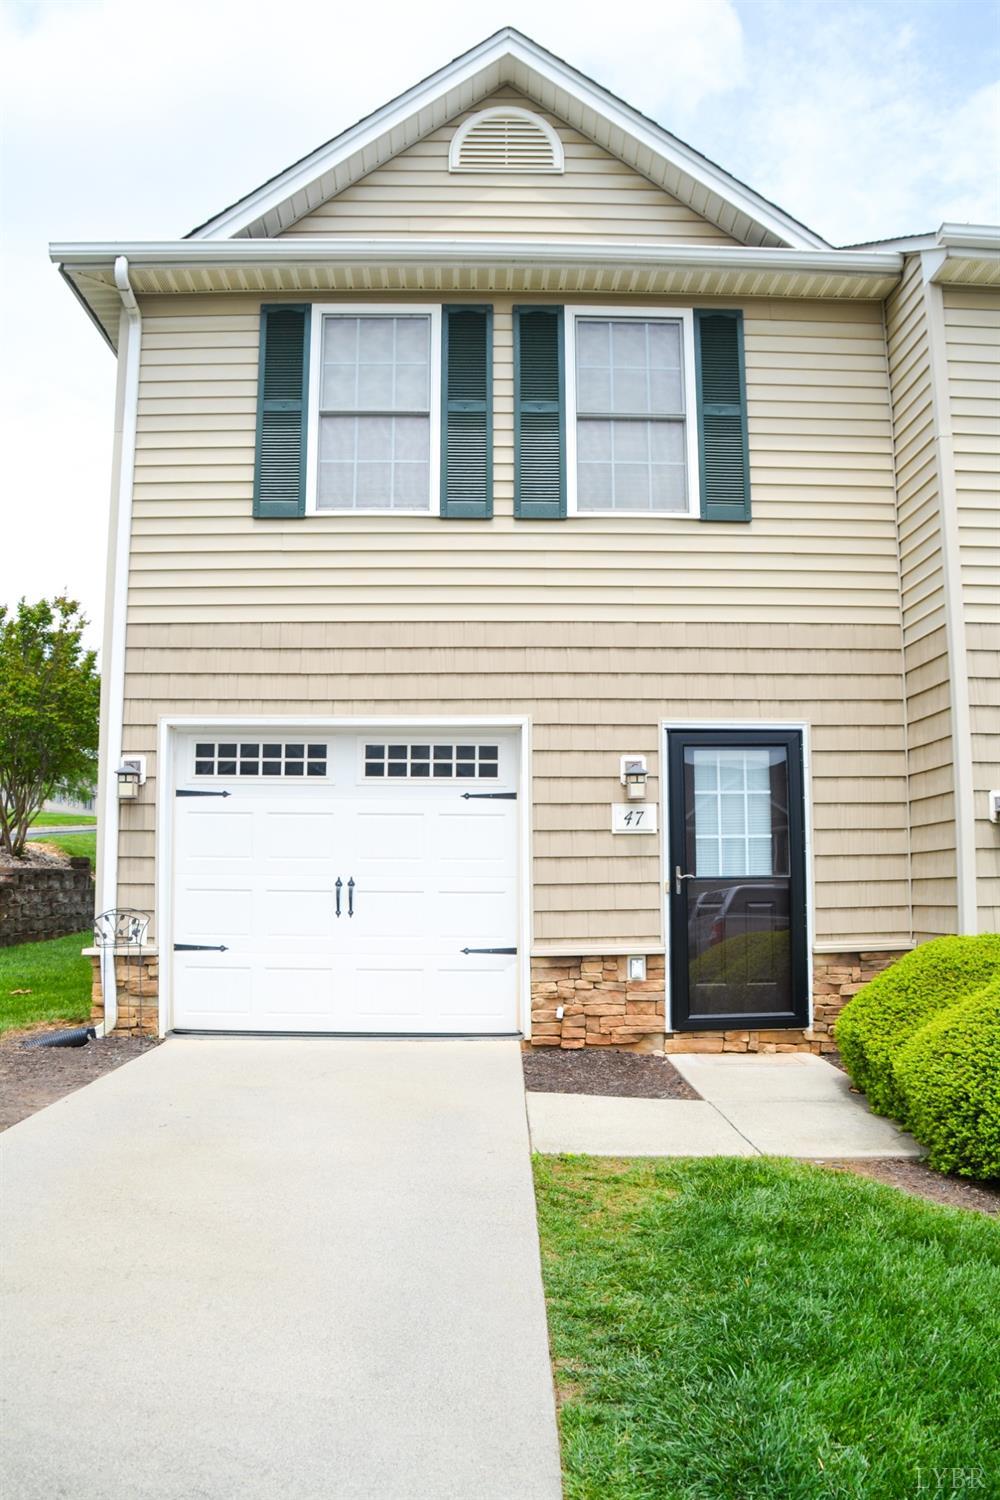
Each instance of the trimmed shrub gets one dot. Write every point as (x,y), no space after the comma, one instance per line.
(887,1012)
(949,1078)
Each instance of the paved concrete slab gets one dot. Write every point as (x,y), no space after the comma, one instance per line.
(772,1105)
(278,1268)
(597,1126)
(824,1128)
(792,1104)
(728,1077)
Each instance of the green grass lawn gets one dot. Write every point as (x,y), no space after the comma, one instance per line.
(748,1330)
(57,978)
(62,820)
(74,843)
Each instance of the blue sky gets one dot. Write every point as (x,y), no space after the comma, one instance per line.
(122,119)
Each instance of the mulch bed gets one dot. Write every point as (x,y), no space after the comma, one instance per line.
(31,1079)
(922,1182)
(602,1070)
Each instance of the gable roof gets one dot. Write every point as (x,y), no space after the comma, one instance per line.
(509,57)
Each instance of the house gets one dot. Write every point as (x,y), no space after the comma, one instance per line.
(551,590)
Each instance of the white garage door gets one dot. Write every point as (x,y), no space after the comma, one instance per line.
(346,883)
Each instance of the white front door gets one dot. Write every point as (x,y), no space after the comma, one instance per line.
(347,886)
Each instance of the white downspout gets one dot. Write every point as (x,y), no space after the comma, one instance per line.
(117,586)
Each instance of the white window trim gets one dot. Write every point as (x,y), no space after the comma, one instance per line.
(500,111)
(683,315)
(320,310)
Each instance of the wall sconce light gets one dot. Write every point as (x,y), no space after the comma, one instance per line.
(633,775)
(130,775)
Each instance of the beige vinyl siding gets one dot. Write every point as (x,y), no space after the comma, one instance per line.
(597,628)
(972,326)
(596,197)
(925,650)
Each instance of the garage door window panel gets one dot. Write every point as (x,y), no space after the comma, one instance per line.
(422,762)
(257,758)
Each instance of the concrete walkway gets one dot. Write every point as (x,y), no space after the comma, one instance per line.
(278,1268)
(774,1105)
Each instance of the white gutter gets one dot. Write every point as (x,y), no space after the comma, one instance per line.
(113,675)
(315,250)
(969,236)
(954,607)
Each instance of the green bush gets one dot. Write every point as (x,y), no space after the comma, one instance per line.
(949,1078)
(883,1016)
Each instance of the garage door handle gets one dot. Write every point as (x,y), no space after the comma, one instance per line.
(350,897)
(337,887)
(489,950)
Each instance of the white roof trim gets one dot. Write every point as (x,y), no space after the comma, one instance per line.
(406,119)
(315,249)
(309,266)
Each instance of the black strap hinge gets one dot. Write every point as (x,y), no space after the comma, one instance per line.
(489,950)
(496,796)
(183,792)
(200,948)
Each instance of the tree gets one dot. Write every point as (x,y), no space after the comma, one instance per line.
(49,702)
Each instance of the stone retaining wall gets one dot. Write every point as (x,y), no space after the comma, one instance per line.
(601,1008)
(44,901)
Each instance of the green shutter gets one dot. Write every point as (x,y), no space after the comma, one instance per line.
(467,413)
(539,414)
(723,452)
(279,484)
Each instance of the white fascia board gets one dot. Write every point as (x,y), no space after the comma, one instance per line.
(507,45)
(316,250)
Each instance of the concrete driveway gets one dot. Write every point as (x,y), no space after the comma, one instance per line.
(278,1268)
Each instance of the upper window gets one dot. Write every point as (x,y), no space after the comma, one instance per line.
(632,435)
(375,390)
(505,139)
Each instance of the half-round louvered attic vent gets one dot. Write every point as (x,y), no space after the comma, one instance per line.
(505,139)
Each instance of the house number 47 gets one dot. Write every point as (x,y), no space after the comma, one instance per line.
(634,817)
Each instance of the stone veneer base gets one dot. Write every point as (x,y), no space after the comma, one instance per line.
(138,994)
(602,1008)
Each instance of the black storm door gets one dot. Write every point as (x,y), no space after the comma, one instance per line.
(737,879)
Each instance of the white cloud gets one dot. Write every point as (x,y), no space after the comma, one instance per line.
(860,134)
